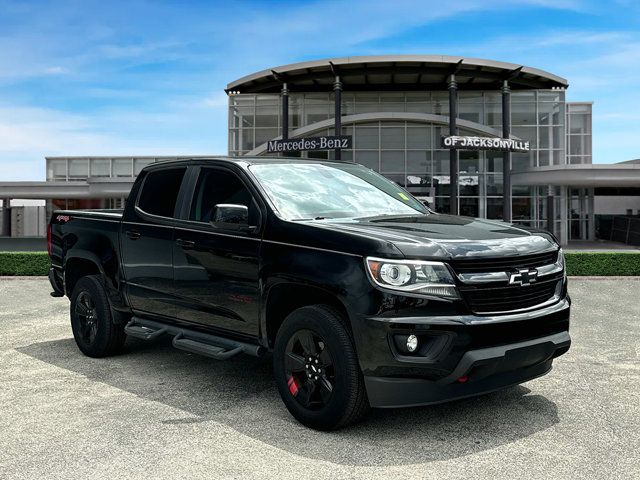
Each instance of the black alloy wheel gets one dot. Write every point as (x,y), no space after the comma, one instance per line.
(87,318)
(309,369)
(316,369)
(95,332)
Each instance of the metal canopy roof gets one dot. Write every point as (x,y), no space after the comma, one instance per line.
(396,72)
(585,175)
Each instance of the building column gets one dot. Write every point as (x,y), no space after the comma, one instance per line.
(285,112)
(564,220)
(337,90)
(551,214)
(591,214)
(582,214)
(6,218)
(454,207)
(506,156)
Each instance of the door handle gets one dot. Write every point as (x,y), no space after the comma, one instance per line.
(185,243)
(133,234)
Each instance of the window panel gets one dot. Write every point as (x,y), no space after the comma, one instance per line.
(471,112)
(122,167)
(241,117)
(523,113)
(526,133)
(392,161)
(441,162)
(246,139)
(493,161)
(579,145)
(316,113)
(367,138)
(57,169)
(522,161)
(418,137)
(549,137)
(368,159)
(242,100)
(469,207)
(494,185)
(523,96)
(468,185)
(468,162)
(265,134)
(419,162)
(139,164)
(419,107)
(580,124)
(549,97)
(494,208)
(392,137)
(78,168)
(493,114)
(267,115)
(100,167)
(549,114)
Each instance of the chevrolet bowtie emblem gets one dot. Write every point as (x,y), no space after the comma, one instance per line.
(524,276)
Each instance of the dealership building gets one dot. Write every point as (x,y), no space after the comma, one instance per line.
(393,114)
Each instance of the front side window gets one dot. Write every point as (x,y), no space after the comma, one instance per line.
(317,191)
(217,187)
(160,191)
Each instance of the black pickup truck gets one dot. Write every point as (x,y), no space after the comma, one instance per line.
(364,296)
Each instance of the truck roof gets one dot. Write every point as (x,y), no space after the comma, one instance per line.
(241,161)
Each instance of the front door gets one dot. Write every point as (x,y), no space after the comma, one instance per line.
(216,265)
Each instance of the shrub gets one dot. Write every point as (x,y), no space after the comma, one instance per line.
(603,263)
(24,263)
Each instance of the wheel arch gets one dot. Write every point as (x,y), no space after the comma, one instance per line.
(285,297)
(80,263)
(77,265)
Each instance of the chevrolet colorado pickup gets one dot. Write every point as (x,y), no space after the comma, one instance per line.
(364,296)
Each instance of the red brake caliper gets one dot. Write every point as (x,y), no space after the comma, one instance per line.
(293,386)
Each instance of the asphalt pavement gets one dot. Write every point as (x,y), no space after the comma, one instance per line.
(155,412)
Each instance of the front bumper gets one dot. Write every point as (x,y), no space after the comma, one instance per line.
(461,355)
(482,370)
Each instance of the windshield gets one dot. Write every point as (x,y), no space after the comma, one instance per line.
(318,191)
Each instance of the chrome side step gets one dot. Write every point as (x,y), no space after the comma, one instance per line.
(192,341)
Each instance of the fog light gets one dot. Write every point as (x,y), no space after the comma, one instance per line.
(412,343)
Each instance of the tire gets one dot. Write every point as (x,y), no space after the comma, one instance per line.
(91,322)
(304,387)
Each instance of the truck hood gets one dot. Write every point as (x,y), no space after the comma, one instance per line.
(446,236)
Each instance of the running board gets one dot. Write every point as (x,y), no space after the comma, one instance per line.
(192,341)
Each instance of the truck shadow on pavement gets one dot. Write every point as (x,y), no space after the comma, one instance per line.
(241,394)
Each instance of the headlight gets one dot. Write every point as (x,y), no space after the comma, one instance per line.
(560,261)
(413,276)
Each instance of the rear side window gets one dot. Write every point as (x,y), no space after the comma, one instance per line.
(160,191)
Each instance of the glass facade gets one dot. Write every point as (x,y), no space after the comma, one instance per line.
(579,133)
(71,169)
(409,151)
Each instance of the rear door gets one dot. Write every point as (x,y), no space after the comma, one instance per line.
(147,242)
(216,266)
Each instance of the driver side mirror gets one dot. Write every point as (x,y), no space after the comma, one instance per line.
(233,216)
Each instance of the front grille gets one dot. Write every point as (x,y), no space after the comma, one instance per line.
(509,298)
(486,265)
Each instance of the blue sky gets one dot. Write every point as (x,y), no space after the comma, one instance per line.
(112,78)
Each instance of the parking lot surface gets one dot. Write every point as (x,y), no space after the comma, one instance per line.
(155,412)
